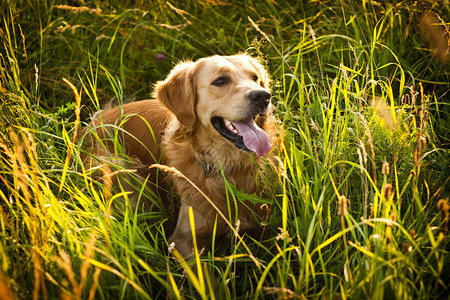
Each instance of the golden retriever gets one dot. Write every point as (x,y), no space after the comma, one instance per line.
(210,120)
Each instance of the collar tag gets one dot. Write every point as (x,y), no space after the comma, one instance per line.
(206,167)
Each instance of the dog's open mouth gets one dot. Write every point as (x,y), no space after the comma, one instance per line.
(246,135)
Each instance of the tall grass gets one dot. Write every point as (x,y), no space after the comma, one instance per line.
(360,211)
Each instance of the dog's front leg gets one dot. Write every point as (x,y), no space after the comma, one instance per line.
(183,235)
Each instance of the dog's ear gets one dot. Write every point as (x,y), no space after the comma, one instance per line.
(177,93)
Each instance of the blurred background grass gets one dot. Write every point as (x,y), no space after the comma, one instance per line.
(359,86)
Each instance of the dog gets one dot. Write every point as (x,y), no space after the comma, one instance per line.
(210,120)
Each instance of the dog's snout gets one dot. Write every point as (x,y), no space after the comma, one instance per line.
(261,97)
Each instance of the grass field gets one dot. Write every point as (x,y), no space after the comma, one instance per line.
(361,88)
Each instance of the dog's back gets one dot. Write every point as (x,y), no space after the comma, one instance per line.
(138,128)
(142,125)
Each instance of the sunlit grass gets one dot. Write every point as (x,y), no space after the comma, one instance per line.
(356,212)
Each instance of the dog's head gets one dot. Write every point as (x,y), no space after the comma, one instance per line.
(228,94)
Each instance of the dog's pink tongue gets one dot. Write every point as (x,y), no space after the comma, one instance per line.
(255,139)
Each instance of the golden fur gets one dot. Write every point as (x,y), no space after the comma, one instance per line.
(182,137)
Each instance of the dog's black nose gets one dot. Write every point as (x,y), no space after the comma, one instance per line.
(261,97)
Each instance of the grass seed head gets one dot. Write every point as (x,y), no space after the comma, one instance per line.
(283,235)
(342,205)
(443,206)
(406,247)
(387,190)
(422,143)
(385,168)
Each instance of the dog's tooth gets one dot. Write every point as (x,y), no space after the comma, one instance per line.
(230,126)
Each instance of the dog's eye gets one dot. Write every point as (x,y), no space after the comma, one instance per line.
(220,81)
(255,78)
